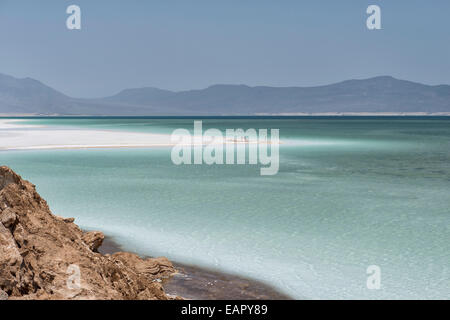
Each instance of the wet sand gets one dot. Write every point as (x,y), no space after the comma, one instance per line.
(201,284)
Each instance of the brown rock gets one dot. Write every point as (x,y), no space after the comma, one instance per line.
(10,260)
(154,268)
(8,218)
(46,257)
(68,220)
(93,239)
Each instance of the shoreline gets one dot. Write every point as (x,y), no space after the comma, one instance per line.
(197,283)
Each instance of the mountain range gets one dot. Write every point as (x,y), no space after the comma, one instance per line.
(374,95)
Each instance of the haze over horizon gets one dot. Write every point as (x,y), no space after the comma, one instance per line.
(379,94)
(121,91)
(180,46)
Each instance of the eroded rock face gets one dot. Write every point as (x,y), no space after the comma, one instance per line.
(43,256)
(8,218)
(93,239)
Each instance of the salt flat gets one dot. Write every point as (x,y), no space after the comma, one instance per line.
(17,136)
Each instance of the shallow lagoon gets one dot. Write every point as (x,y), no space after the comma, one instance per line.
(351,192)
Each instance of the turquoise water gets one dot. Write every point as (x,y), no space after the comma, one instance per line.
(360,192)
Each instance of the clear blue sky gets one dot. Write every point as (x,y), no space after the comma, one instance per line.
(191,44)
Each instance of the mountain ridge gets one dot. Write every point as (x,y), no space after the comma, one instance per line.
(381,94)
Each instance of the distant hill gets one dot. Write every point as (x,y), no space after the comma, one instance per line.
(379,94)
(28,96)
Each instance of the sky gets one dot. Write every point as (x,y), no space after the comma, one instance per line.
(192,44)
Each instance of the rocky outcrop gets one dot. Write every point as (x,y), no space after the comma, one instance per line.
(93,239)
(43,256)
